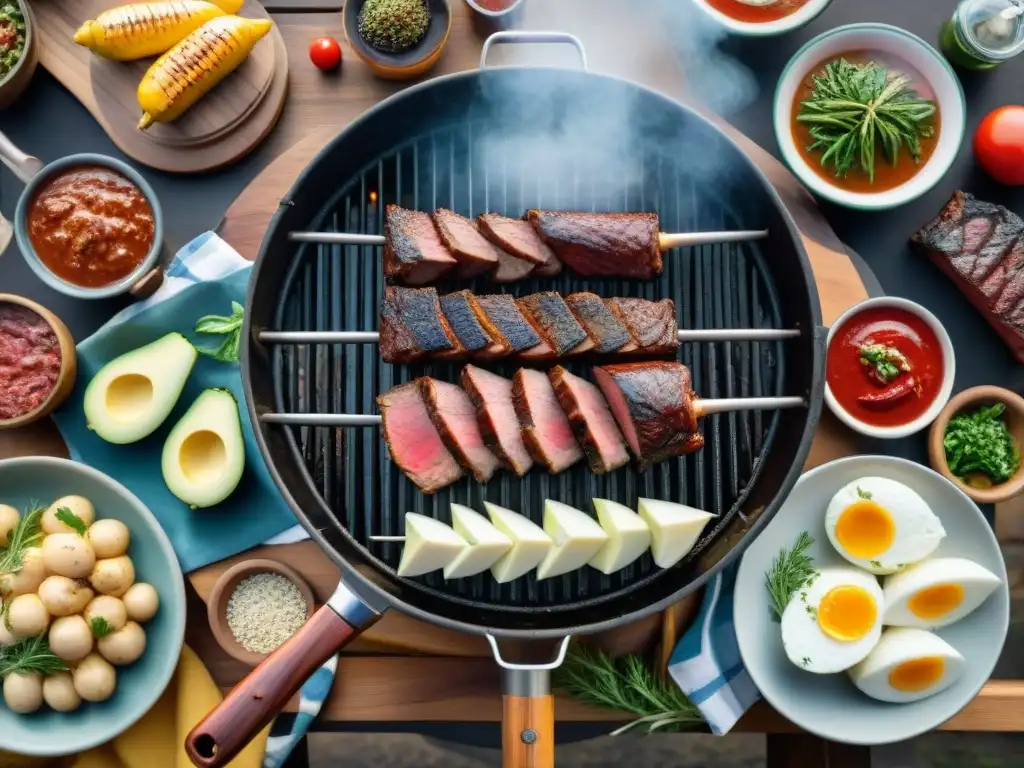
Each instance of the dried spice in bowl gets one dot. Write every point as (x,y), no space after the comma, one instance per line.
(264,611)
(394,26)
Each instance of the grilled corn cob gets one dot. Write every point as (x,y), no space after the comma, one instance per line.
(180,77)
(131,32)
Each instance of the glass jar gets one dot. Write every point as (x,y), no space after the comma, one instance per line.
(984,33)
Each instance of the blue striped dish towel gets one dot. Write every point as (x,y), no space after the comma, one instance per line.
(706,662)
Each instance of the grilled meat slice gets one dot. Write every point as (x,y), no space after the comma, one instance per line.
(412,439)
(518,237)
(458,311)
(464,241)
(555,322)
(980,246)
(413,251)
(654,405)
(545,427)
(412,326)
(512,269)
(491,396)
(602,244)
(606,333)
(652,324)
(591,421)
(454,416)
(503,319)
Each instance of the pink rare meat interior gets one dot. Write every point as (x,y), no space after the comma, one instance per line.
(453,414)
(492,397)
(620,408)
(545,427)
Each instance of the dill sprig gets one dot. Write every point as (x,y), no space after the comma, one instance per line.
(790,570)
(31,654)
(27,533)
(626,684)
(855,108)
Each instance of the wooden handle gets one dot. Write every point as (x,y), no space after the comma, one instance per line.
(528,731)
(253,702)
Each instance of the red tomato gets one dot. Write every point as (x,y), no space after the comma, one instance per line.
(325,53)
(999,145)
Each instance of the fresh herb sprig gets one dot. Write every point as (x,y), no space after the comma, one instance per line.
(791,569)
(27,533)
(230,327)
(625,684)
(31,654)
(980,442)
(855,108)
(71,520)
(100,627)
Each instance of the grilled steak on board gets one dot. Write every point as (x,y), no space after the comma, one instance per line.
(412,326)
(413,441)
(492,398)
(413,251)
(980,246)
(454,416)
(602,244)
(544,425)
(518,237)
(591,421)
(463,241)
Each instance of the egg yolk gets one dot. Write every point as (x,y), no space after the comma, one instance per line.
(917,674)
(865,529)
(935,602)
(847,613)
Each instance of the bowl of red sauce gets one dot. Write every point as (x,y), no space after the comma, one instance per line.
(762,18)
(889,368)
(89,226)
(37,361)
(495,15)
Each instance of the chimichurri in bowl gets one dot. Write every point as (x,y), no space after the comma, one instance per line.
(13,36)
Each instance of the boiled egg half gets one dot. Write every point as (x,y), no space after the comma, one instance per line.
(881,525)
(936,593)
(833,621)
(908,664)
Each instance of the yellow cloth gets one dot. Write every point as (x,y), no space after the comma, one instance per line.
(158,739)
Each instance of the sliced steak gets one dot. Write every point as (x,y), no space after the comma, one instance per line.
(463,240)
(555,322)
(653,403)
(652,324)
(591,421)
(499,313)
(413,441)
(454,416)
(518,237)
(491,396)
(462,319)
(602,244)
(512,269)
(413,326)
(606,333)
(413,251)
(545,427)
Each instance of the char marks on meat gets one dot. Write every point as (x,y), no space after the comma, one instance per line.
(606,333)
(545,427)
(454,417)
(555,322)
(458,310)
(464,241)
(491,396)
(654,405)
(503,315)
(412,326)
(413,441)
(518,237)
(652,324)
(602,244)
(980,246)
(413,251)
(591,420)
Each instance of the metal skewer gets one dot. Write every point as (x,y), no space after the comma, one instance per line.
(666,240)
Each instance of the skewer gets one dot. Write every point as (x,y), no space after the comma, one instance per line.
(704,408)
(666,240)
(372,337)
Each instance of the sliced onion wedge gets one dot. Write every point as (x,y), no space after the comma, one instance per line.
(675,528)
(576,536)
(529,543)
(485,544)
(628,536)
(429,545)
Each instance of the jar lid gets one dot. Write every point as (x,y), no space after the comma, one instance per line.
(994,27)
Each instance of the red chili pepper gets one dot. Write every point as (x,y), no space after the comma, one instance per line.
(883,401)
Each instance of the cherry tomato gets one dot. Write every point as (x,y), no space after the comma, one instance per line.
(999,145)
(325,53)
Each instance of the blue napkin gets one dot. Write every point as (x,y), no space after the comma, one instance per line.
(204,278)
(706,661)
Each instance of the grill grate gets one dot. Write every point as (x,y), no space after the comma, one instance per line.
(335,287)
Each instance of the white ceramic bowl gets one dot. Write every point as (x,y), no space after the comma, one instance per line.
(906,46)
(948,372)
(804,15)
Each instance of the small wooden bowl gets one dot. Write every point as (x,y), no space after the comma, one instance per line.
(408,64)
(217,605)
(969,400)
(68,363)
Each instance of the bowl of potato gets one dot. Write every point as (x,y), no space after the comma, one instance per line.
(92,617)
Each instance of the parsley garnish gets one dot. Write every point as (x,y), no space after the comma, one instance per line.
(876,563)
(862,493)
(979,442)
(228,327)
(100,627)
(71,520)
(790,571)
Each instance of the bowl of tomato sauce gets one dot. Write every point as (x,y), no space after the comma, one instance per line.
(90,226)
(37,361)
(889,368)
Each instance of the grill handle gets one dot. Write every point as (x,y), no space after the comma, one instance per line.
(259,697)
(527,711)
(514,36)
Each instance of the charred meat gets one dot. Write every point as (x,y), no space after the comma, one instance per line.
(545,427)
(458,311)
(652,324)
(602,244)
(555,322)
(464,241)
(412,326)
(499,313)
(413,251)
(606,333)
(591,421)
(413,441)
(454,417)
(654,405)
(518,237)
(491,396)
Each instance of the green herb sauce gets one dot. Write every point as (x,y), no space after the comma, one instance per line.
(12,37)
(979,443)
(394,26)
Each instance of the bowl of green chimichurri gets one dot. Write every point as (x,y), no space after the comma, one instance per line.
(17,49)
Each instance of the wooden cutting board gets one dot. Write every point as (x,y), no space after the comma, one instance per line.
(224,126)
